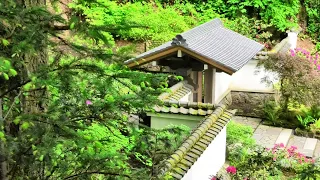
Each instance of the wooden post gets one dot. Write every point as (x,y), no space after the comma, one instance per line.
(209,85)
(194,77)
(199,91)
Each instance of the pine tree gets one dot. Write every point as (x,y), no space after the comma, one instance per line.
(66,96)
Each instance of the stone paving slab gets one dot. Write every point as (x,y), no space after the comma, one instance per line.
(284,136)
(266,135)
(253,122)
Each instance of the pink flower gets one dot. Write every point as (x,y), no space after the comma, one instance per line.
(319,67)
(88,102)
(231,170)
(281,145)
(274,158)
(293,147)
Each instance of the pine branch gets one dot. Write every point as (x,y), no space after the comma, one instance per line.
(14,88)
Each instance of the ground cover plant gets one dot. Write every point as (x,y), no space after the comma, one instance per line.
(248,160)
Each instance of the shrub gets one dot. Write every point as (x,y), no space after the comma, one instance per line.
(264,163)
(298,75)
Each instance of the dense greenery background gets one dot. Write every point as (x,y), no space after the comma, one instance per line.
(66,95)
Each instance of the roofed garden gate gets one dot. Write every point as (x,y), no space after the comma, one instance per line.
(206,57)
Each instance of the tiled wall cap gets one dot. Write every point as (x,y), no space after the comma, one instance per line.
(193,138)
(193,111)
(174,110)
(190,142)
(184,147)
(179,153)
(207,138)
(208,123)
(203,128)
(198,133)
(175,157)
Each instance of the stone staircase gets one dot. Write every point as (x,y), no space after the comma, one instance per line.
(267,136)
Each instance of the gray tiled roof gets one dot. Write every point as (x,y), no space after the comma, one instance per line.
(215,42)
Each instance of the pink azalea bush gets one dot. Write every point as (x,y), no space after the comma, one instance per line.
(298,75)
(258,163)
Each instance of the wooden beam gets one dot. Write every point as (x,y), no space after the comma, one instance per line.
(209,85)
(208,61)
(153,57)
(199,91)
(173,50)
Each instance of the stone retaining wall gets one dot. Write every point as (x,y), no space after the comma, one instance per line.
(250,103)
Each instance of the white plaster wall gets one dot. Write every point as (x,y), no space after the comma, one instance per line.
(210,162)
(246,79)
(223,82)
(293,37)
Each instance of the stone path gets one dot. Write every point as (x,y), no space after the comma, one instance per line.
(267,136)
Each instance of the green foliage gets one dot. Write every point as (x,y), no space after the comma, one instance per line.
(281,14)
(146,21)
(6,69)
(252,28)
(313,20)
(305,122)
(237,133)
(271,112)
(313,111)
(67,99)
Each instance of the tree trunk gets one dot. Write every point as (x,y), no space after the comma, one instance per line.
(34,102)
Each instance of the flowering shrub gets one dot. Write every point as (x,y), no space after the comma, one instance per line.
(260,163)
(298,76)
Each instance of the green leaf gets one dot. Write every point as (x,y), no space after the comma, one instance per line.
(2,136)
(41,158)
(5,42)
(72,25)
(25,125)
(142,84)
(27,86)
(17,120)
(12,72)
(109,98)
(6,76)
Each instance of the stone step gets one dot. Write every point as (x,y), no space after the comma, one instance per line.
(306,146)
(309,147)
(297,141)
(284,136)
